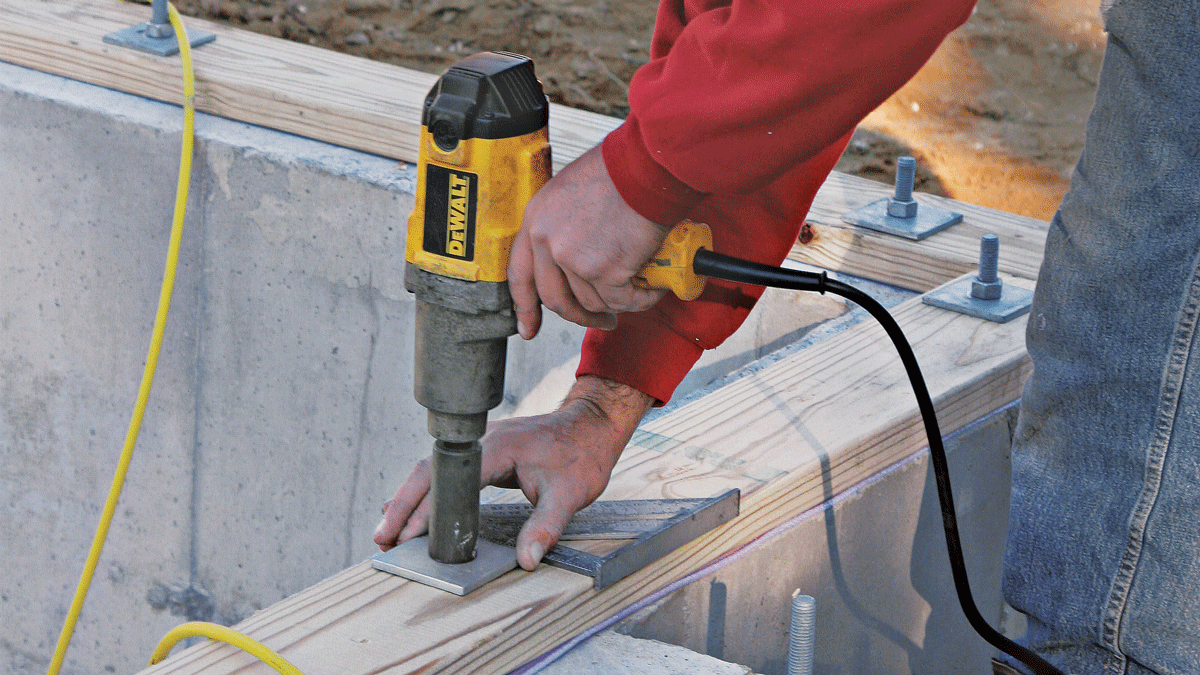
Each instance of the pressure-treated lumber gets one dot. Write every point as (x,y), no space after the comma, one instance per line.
(916,265)
(300,89)
(790,436)
(375,107)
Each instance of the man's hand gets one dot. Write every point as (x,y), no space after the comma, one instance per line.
(561,461)
(579,247)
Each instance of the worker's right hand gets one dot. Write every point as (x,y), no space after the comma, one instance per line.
(561,461)
(579,249)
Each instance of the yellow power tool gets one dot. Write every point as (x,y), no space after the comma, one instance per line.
(484,153)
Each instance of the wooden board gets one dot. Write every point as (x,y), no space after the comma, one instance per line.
(790,436)
(916,265)
(300,89)
(375,107)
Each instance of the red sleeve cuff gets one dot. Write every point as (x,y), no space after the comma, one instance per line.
(621,355)
(642,182)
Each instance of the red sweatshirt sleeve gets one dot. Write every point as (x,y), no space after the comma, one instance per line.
(742,111)
(737,92)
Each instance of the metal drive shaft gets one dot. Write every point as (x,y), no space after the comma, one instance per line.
(461,335)
(454,495)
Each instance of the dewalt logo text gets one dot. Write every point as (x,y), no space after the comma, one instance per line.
(450,206)
(456,219)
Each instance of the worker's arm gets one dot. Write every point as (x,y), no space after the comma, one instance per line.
(736,120)
(579,247)
(737,92)
(561,461)
(740,114)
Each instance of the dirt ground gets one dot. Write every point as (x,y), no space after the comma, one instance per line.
(995,118)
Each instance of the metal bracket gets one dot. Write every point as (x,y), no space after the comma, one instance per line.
(156,36)
(928,220)
(656,526)
(411,560)
(899,215)
(983,297)
(956,297)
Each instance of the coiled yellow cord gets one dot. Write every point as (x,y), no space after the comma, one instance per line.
(194,629)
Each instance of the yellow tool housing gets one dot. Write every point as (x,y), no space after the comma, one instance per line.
(472,189)
(468,212)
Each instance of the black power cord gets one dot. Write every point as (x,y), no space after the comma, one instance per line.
(710,264)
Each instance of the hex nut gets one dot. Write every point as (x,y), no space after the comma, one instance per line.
(159,31)
(901,209)
(985,290)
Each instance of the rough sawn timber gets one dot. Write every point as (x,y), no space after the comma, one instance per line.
(916,265)
(317,93)
(375,107)
(790,435)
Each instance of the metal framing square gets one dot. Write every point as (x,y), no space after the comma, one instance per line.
(929,220)
(411,560)
(135,37)
(956,297)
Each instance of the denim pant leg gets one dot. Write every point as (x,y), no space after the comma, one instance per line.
(1103,552)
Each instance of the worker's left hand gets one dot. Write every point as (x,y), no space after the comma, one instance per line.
(579,248)
(561,461)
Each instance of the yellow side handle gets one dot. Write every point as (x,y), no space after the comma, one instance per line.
(671,266)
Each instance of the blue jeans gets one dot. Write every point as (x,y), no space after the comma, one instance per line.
(1104,542)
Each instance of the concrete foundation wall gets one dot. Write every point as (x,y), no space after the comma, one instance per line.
(282,413)
(875,560)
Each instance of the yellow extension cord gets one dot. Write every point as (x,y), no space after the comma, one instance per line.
(229,636)
(196,628)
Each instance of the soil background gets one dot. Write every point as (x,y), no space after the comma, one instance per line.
(995,118)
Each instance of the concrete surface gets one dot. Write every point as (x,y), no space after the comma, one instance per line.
(612,653)
(272,432)
(282,414)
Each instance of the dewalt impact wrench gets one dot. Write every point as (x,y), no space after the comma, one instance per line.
(484,152)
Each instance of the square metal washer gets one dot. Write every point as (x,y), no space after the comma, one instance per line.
(929,220)
(956,296)
(411,560)
(135,37)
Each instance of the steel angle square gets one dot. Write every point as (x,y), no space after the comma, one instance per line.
(929,220)
(956,297)
(411,560)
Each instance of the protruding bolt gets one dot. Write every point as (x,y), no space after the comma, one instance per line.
(901,205)
(802,636)
(159,12)
(160,22)
(906,172)
(988,286)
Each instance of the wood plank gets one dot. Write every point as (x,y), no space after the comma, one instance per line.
(919,266)
(375,107)
(279,84)
(791,436)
